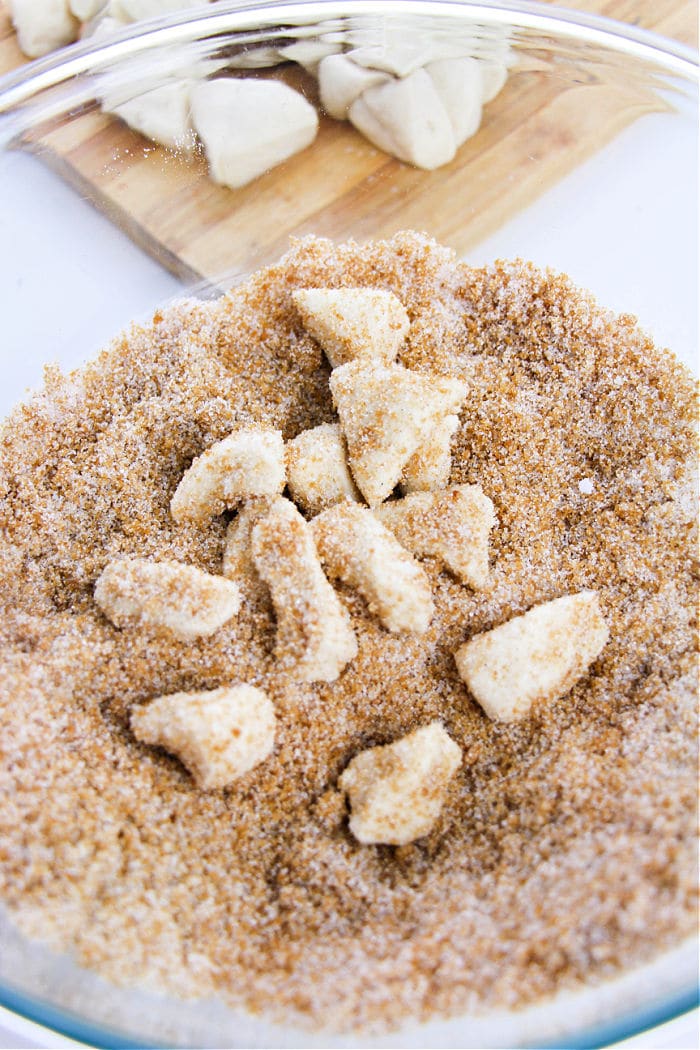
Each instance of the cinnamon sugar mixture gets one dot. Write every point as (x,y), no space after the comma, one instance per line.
(565,851)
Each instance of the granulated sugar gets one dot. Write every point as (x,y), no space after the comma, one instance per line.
(566,849)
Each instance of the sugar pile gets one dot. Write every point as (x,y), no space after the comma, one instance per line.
(565,850)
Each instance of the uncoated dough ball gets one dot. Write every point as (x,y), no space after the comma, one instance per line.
(248,126)
(43,25)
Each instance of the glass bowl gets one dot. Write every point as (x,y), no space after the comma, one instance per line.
(585,162)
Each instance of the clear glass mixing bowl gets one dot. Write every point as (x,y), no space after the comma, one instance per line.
(586,162)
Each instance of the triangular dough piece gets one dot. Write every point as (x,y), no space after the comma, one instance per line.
(451,525)
(534,658)
(341,81)
(459,85)
(352,323)
(407,119)
(430,465)
(386,412)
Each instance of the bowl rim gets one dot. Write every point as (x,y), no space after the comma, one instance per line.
(88,55)
(592,1036)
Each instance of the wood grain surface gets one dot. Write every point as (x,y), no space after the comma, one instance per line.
(534,133)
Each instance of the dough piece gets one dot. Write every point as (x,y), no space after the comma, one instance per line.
(86,9)
(493,78)
(238,561)
(137,10)
(360,551)
(218,735)
(309,53)
(180,599)
(431,464)
(256,58)
(400,60)
(315,639)
(162,115)
(533,658)
(407,119)
(451,525)
(248,126)
(43,25)
(396,792)
(386,413)
(317,469)
(341,81)
(458,82)
(353,323)
(104,25)
(245,464)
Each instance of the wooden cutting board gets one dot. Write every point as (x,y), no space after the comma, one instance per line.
(344,186)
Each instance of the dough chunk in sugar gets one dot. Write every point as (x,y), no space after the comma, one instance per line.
(359,550)
(219,735)
(397,792)
(315,639)
(534,658)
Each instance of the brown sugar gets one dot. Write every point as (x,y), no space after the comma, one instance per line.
(564,852)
